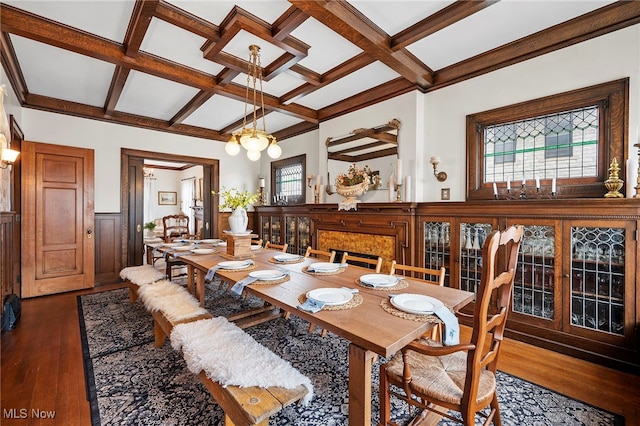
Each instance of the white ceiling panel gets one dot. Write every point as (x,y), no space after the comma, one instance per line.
(217,112)
(108,19)
(151,96)
(479,32)
(395,16)
(328,49)
(365,78)
(239,47)
(215,11)
(177,45)
(58,73)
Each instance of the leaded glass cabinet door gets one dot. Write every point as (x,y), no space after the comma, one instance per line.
(265,228)
(297,234)
(437,247)
(600,289)
(537,295)
(471,236)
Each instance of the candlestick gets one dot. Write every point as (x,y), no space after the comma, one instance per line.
(638,171)
(399,172)
(537,182)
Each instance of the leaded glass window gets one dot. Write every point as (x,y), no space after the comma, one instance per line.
(287,181)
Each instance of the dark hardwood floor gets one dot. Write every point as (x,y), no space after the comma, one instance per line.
(42,372)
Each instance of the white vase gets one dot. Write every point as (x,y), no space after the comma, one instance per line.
(238,221)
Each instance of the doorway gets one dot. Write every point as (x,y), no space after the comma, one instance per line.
(132,198)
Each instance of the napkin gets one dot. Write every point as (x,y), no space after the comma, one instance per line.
(451,335)
(210,273)
(239,286)
(311,305)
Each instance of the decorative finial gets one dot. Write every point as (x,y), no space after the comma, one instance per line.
(613,184)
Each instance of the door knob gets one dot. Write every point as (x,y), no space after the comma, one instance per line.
(89,233)
(138,228)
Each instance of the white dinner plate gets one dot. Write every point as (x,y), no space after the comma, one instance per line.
(330,296)
(211,241)
(234,264)
(379,280)
(286,257)
(184,248)
(223,244)
(171,244)
(202,251)
(256,246)
(324,267)
(416,303)
(267,275)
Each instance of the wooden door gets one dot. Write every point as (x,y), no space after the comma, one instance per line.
(57,219)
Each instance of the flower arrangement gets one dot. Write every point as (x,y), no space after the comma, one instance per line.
(234,198)
(354,176)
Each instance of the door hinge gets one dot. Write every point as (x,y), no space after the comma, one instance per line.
(18,218)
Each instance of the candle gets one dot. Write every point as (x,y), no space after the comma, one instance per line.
(391,191)
(399,172)
(553,185)
(318,180)
(321,194)
(261,182)
(508,184)
(537,182)
(495,189)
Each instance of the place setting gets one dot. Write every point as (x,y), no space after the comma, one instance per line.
(231,266)
(263,276)
(422,308)
(329,298)
(325,268)
(382,282)
(286,258)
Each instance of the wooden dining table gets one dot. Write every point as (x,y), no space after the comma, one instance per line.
(369,328)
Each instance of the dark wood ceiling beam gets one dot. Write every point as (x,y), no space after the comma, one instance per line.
(143,11)
(361,100)
(305,74)
(185,20)
(43,30)
(601,21)
(291,19)
(295,130)
(225,76)
(118,80)
(196,102)
(347,21)
(439,20)
(342,70)
(280,65)
(10,64)
(45,103)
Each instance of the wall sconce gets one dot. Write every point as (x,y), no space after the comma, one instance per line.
(441,176)
(309,179)
(8,157)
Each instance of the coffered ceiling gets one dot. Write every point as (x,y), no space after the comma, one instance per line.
(180,66)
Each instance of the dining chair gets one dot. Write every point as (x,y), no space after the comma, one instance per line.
(329,256)
(427,276)
(460,377)
(176,226)
(281,247)
(348,258)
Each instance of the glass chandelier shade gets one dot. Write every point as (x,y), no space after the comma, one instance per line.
(251,138)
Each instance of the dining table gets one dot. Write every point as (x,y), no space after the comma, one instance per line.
(370,329)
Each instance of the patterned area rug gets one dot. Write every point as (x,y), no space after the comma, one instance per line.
(130,382)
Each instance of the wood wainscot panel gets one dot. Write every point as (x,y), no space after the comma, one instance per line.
(9,260)
(108,247)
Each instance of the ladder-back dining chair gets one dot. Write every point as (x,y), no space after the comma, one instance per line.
(376,262)
(176,226)
(460,377)
(281,247)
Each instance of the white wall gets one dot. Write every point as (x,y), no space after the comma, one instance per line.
(11,107)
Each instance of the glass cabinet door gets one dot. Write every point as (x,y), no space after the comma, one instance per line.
(597,279)
(472,236)
(297,234)
(437,247)
(265,228)
(536,290)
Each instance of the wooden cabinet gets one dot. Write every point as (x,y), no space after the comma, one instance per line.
(576,286)
(289,225)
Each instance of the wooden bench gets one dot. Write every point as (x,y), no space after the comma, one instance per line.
(252,405)
(242,405)
(139,275)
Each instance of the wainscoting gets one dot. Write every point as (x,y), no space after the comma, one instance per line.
(108,248)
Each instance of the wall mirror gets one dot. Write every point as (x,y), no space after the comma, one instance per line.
(376,147)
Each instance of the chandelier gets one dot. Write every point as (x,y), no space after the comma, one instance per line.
(254,140)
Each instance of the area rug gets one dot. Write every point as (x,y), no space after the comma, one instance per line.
(130,382)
